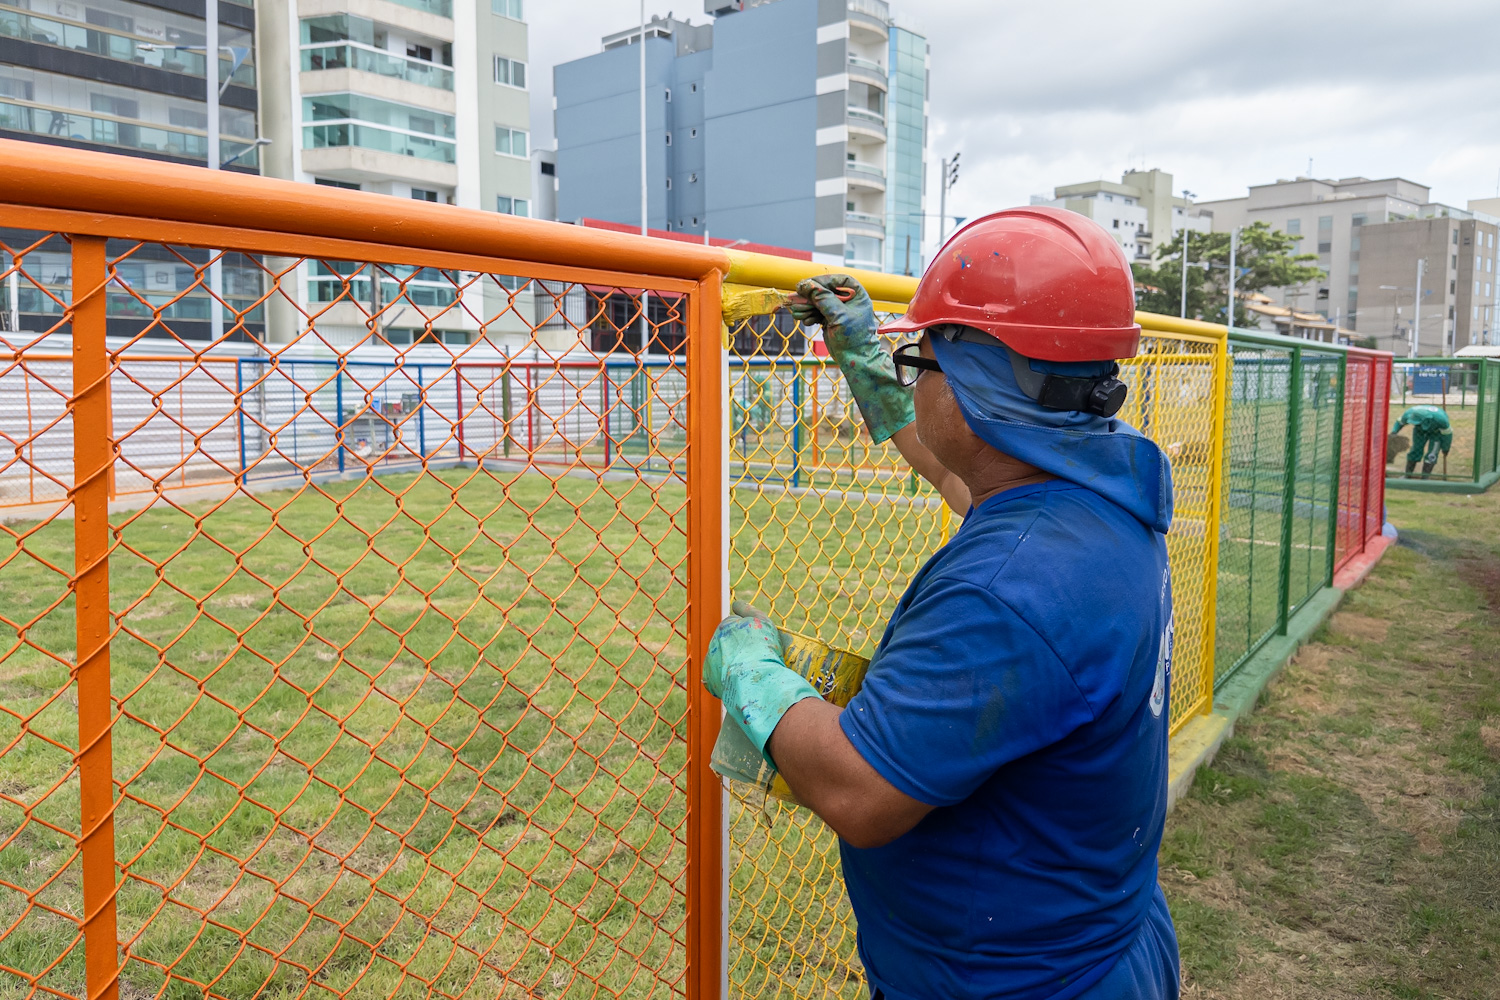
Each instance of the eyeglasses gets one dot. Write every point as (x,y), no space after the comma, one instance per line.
(910,364)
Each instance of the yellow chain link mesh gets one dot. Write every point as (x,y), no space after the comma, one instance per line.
(827,529)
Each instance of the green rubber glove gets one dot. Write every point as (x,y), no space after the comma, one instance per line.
(850,331)
(744,669)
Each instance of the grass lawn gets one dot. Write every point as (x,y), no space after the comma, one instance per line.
(420,734)
(1346,841)
(415,731)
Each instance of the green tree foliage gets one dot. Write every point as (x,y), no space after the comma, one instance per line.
(1266,258)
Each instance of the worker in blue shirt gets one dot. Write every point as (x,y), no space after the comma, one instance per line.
(998,784)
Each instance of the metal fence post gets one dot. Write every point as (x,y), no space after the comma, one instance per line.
(1334,476)
(708,587)
(421,417)
(338,409)
(1289,490)
(239,409)
(1213,522)
(796,424)
(1479,418)
(93,445)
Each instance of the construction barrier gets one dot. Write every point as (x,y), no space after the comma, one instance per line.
(1468,390)
(343,668)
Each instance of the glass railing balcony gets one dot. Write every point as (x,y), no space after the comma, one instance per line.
(878,9)
(382,140)
(442,8)
(123,48)
(867,71)
(855,62)
(864,171)
(864,115)
(121,134)
(865,219)
(352,55)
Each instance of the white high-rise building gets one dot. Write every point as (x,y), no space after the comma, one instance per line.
(418,99)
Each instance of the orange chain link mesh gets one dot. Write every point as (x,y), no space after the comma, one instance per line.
(397,703)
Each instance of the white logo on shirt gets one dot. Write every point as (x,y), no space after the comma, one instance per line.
(1163,669)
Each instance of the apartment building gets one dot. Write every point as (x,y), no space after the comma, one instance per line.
(794,123)
(1457,291)
(1140,212)
(419,99)
(1331,218)
(132,78)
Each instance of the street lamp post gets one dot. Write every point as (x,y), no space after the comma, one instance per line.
(1416,322)
(949,178)
(1186,194)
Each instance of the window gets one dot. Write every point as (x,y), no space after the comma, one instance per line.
(423,194)
(1110,197)
(1486,289)
(337,120)
(669,183)
(1358,220)
(1489,240)
(508,8)
(549,168)
(693,133)
(1322,248)
(510,141)
(325,182)
(694,88)
(695,220)
(669,95)
(1293,228)
(510,72)
(693,179)
(1117,226)
(669,138)
(512,206)
(1455,237)
(1489,264)
(1325,223)
(1476,287)
(422,52)
(848,206)
(1478,263)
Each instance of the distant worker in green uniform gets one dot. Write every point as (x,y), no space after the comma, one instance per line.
(1430,432)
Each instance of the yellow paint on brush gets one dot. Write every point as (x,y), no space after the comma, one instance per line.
(742,302)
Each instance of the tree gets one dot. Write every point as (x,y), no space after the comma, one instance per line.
(1266,258)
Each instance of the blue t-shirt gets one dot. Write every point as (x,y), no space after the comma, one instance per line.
(1021,687)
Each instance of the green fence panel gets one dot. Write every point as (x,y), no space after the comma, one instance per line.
(1468,390)
(1255,485)
(1315,486)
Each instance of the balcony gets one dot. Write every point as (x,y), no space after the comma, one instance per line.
(373,137)
(121,134)
(869,20)
(866,124)
(442,8)
(864,175)
(117,47)
(865,224)
(867,71)
(368,59)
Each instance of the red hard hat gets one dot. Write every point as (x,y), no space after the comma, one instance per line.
(1047,282)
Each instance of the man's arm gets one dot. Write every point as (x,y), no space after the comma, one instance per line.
(828,775)
(925,464)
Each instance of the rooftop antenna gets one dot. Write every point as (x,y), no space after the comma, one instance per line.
(1309,167)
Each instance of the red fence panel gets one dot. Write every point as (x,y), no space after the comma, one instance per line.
(1367,389)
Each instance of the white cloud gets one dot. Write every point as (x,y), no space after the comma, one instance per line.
(1220,95)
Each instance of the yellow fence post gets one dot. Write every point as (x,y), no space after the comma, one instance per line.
(93,441)
(1213,523)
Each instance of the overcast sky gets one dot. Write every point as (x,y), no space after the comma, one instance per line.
(1221,95)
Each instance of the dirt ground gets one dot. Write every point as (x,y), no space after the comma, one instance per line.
(1346,841)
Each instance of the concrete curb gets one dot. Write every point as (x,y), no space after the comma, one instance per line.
(1198,741)
(1442,485)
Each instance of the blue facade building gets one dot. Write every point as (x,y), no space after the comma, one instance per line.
(794,123)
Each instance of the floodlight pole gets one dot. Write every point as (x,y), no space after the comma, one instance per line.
(1234,243)
(1416,321)
(645,295)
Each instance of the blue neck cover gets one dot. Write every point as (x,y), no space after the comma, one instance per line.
(1102,454)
